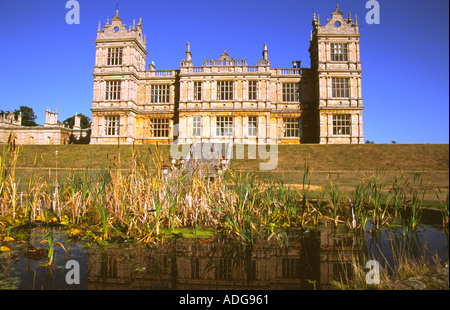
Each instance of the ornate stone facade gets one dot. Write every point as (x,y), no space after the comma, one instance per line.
(52,132)
(227,99)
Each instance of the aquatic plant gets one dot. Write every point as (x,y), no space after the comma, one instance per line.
(443,204)
(398,193)
(8,185)
(360,196)
(50,240)
(417,197)
(147,197)
(334,200)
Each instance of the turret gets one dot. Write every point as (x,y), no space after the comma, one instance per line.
(119,46)
(335,61)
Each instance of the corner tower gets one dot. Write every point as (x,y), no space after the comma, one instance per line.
(336,65)
(120,54)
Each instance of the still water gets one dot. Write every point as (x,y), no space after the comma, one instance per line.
(307,259)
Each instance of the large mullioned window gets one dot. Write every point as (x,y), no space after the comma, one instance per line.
(114,56)
(225,90)
(291,92)
(159,93)
(224,126)
(112,124)
(292,127)
(340,87)
(159,127)
(341,124)
(112,90)
(338,51)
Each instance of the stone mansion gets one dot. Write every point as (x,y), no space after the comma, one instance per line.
(227,99)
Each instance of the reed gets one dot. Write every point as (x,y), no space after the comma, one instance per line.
(334,201)
(417,197)
(305,193)
(443,204)
(360,197)
(52,243)
(8,185)
(398,193)
(142,202)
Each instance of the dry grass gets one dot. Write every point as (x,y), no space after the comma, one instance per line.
(122,191)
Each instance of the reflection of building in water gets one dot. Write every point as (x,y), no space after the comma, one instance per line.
(216,264)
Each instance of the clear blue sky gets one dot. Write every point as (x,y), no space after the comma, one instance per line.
(405,58)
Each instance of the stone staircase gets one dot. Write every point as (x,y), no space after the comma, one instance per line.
(209,160)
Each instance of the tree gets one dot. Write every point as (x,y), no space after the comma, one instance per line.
(28,116)
(85,122)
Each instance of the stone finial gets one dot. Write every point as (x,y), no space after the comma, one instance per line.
(77,122)
(139,24)
(337,10)
(188,52)
(116,17)
(265,52)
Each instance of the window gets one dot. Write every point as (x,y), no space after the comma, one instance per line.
(224,90)
(291,92)
(112,90)
(338,52)
(252,125)
(341,124)
(223,269)
(340,88)
(224,126)
(198,91)
(292,127)
(112,124)
(159,127)
(195,268)
(159,93)
(252,90)
(290,268)
(114,56)
(196,126)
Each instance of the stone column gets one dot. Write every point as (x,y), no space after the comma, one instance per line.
(213,90)
(244,90)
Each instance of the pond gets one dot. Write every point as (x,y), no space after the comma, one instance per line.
(304,259)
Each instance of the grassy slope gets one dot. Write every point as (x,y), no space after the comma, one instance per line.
(373,157)
(345,165)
